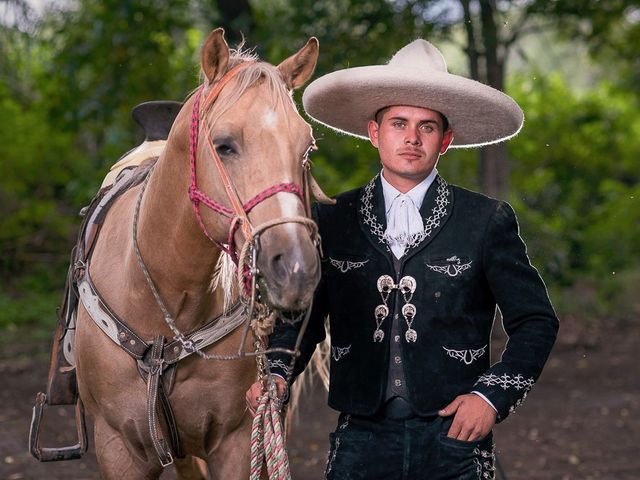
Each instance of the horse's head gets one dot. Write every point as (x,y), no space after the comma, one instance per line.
(251,132)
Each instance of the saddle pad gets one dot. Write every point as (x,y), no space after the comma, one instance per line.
(144,151)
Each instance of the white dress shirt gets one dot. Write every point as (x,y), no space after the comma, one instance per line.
(402,212)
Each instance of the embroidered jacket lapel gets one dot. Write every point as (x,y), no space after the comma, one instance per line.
(435,211)
(371,214)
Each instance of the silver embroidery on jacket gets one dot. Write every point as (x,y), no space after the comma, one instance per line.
(433,221)
(467,356)
(345,265)
(520,401)
(507,381)
(339,352)
(453,267)
(280,364)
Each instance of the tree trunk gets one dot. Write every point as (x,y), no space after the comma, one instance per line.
(237,19)
(494,162)
(472,49)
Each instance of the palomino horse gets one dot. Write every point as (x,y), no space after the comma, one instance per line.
(254,130)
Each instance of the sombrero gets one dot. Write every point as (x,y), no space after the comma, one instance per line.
(346,100)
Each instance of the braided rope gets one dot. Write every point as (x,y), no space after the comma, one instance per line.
(267,441)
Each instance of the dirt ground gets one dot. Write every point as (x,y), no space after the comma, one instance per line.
(581,420)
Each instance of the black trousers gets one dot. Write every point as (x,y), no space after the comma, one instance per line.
(371,448)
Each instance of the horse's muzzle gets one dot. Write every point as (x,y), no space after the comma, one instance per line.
(290,271)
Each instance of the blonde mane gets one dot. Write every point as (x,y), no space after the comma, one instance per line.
(224,277)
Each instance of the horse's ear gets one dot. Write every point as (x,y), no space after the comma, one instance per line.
(298,68)
(214,56)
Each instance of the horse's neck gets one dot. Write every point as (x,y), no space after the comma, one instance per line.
(179,257)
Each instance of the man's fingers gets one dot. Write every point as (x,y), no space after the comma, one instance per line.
(451,408)
(473,419)
(252,397)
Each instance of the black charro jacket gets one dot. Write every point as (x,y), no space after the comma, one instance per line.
(469,259)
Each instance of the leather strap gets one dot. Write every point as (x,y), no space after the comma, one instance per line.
(154,359)
(155,364)
(118,331)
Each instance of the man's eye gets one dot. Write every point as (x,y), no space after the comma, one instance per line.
(427,128)
(225,149)
(398,124)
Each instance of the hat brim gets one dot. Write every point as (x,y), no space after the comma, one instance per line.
(346,100)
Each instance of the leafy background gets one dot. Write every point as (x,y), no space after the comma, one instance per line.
(71,71)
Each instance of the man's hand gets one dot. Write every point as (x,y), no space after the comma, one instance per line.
(254,393)
(474,417)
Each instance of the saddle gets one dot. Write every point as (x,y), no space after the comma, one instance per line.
(156,119)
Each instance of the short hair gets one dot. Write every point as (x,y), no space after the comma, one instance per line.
(378,116)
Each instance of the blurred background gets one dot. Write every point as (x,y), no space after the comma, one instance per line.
(70,72)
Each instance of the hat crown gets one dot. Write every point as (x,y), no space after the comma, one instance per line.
(420,55)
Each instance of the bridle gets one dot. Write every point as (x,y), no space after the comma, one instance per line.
(258,313)
(238,213)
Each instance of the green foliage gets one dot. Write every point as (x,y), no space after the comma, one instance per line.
(349,31)
(40,182)
(106,57)
(68,83)
(610,27)
(575,181)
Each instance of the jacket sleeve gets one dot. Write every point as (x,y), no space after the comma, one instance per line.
(285,335)
(527,315)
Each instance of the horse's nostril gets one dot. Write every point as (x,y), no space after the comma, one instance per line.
(279,266)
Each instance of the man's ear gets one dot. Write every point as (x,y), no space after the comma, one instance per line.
(447,138)
(374,130)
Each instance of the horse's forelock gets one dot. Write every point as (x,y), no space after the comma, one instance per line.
(252,75)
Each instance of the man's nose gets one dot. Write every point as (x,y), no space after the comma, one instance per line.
(412,137)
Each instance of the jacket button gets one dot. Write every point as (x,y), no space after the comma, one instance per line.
(396,338)
(398,359)
(437,294)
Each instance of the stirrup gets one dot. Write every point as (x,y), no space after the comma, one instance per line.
(72,452)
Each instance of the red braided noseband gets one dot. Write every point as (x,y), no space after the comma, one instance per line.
(197,196)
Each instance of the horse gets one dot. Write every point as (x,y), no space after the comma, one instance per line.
(157,258)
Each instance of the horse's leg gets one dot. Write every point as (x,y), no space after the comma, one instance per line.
(191,468)
(231,459)
(118,460)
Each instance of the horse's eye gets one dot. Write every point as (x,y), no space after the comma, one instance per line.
(225,149)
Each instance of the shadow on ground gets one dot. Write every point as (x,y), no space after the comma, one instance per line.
(580,422)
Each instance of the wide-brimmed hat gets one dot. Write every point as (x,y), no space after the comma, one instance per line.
(417,75)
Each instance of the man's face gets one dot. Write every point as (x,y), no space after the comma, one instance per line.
(409,141)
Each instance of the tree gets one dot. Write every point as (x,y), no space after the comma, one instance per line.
(109,55)
(611,28)
(494,28)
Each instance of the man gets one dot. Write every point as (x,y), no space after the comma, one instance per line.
(412,272)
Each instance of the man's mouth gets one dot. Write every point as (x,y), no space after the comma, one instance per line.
(411,154)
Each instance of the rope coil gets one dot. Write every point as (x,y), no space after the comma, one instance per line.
(267,439)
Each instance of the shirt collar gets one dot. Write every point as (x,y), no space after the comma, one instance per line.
(416,194)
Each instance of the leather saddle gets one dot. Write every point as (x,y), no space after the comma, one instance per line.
(156,119)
